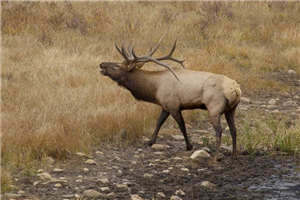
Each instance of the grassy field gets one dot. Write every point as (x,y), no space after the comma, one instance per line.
(55,102)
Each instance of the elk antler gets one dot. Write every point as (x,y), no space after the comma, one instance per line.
(131,58)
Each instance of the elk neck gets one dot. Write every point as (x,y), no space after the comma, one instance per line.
(142,84)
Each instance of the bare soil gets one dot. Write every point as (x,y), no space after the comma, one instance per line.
(139,169)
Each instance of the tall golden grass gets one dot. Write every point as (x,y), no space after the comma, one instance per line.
(54,100)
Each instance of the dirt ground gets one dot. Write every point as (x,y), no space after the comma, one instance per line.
(166,171)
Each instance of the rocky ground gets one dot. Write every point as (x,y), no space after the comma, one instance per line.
(167,171)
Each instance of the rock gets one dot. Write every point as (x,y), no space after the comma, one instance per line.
(226,148)
(272,101)
(40,171)
(185,169)
(68,196)
(12,196)
(45,176)
(245,100)
(175,198)
(289,103)
(275,111)
(36,183)
(90,162)
(136,197)
(202,170)
(291,72)
(110,195)
(207,184)
(206,149)
(104,189)
(159,153)
(160,146)
(93,194)
(58,185)
(99,153)
(200,154)
(86,170)
(57,170)
(161,195)
(147,175)
(178,137)
(80,154)
(104,180)
(122,186)
(180,192)
(166,171)
(177,158)
(271,106)
(21,192)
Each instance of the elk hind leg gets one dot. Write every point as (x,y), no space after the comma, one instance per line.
(230,121)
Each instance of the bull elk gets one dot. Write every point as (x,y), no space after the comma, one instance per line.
(178,90)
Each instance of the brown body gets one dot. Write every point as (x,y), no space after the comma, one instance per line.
(187,89)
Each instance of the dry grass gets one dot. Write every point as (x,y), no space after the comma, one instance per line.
(55,102)
(264,132)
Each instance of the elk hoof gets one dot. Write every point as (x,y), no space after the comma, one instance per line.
(189,147)
(150,143)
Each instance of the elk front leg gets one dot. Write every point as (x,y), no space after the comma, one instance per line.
(162,118)
(180,121)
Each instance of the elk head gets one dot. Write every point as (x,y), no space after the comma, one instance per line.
(117,71)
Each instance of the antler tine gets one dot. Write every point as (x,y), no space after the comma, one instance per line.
(150,59)
(152,51)
(169,56)
(121,51)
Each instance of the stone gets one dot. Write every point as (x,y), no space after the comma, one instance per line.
(166,171)
(180,192)
(111,195)
(12,196)
(122,186)
(92,194)
(58,185)
(86,170)
(80,154)
(36,183)
(136,197)
(21,192)
(103,180)
(272,101)
(291,72)
(161,195)
(271,106)
(90,162)
(185,169)
(207,184)
(289,103)
(147,175)
(175,198)
(160,146)
(40,171)
(245,100)
(45,176)
(104,189)
(206,149)
(99,153)
(178,137)
(57,170)
(275,111)
(68,196)
(200,154)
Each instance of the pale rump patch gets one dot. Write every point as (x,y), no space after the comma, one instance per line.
(232,91)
